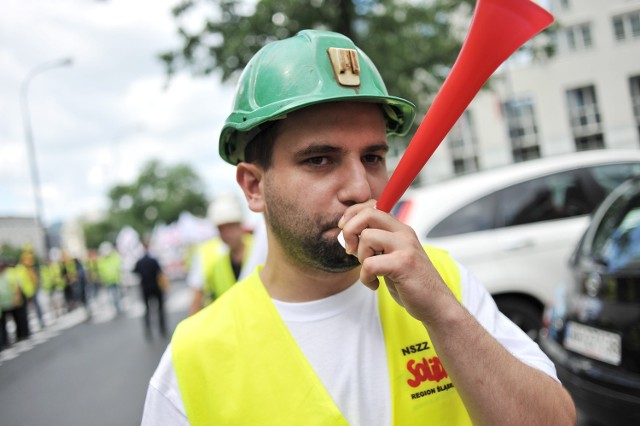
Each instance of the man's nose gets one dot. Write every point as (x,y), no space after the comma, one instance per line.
(354,185)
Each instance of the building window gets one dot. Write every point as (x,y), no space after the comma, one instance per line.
(559,5)
(585,118)
(463,145)
(634,82)
(573,38)
(579,37)
(523,132)
(585,32)
(626,26)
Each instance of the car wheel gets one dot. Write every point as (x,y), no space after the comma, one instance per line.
(523,313)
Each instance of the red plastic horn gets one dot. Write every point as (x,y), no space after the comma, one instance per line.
(498,28)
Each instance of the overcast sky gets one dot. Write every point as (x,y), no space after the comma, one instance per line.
(99,120)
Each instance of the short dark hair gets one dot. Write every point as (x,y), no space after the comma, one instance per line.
(260,149)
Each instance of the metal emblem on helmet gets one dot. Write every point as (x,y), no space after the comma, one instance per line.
(346,67)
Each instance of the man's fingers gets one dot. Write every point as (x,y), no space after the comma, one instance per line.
(365,218)
(372,242)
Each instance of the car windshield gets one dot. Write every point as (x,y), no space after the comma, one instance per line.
(617,239)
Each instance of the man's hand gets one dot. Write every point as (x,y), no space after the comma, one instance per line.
(494,385)
(388,248)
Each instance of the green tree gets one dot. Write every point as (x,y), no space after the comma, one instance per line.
(8,251)
(97,232)
(158,195)
(412,43)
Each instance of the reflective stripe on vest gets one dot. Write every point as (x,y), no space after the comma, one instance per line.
(236,363)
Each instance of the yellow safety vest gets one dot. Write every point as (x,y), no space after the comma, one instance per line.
(209,251)
(57,283)
(46,277)
(70,267)
(219,276)
(236,363)
(10,296)
(27,280)
(109,269)
(13,277)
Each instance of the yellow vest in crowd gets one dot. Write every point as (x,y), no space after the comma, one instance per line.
(209,252)
(51,277)
(219,276)
(70,267)
(109,269)
(236,363)
(46,277)
(10,296)
(26,279)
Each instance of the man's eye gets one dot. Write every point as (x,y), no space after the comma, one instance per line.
(317,161)
(372,158)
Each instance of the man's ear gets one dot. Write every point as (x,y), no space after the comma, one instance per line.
(249,176)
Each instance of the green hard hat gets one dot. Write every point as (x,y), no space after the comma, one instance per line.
(310,68)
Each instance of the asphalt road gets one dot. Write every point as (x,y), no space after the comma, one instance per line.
(85,372)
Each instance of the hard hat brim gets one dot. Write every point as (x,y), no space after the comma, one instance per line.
(399,114)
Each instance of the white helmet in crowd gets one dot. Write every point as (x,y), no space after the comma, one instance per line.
(105,248)
(225,209)
(55,254)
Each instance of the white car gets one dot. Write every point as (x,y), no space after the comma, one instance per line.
(514,227)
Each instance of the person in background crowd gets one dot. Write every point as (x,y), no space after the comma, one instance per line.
(47,284)
(152,282)
(19,312)
(219,267)
(68,274)
(93,276)
(81,285)
(30,281)
(384,331)
(10,302)
(203,257)
(53,282)
(109,265)
(259,249)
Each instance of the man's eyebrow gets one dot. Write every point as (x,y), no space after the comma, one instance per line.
(379,147)
(324,149)
(312,150)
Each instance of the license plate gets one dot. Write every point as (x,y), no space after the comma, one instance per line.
(593,343)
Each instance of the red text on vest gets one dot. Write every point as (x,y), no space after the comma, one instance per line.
(428,369)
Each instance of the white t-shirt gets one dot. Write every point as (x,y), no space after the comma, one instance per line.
(342,338)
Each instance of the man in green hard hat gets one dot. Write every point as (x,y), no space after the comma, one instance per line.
(304,339)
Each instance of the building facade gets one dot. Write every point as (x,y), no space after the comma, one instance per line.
(18,231)
(585,96)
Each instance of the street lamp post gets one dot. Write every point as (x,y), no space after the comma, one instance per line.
(35,178)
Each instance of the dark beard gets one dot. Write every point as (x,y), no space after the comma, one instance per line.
(303,241)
